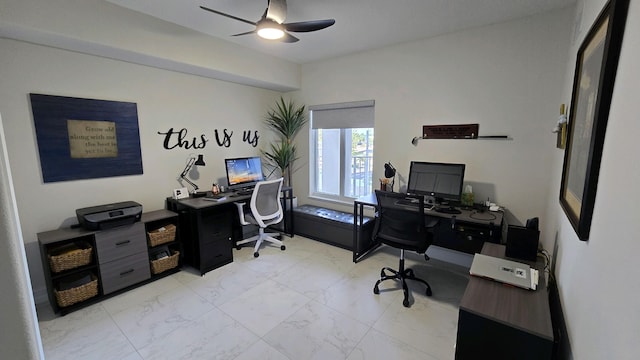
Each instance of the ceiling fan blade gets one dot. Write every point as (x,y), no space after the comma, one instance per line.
(288,38)
(245,33)
(277,10)
(227,15)
(307,26)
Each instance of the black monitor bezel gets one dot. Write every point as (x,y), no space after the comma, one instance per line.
(439,197)
(245,184)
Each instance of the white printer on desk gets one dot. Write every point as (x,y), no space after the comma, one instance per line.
(108,216)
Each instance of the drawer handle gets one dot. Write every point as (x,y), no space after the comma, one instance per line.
(126,272)
(123,242)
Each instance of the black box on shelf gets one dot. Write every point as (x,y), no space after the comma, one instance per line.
(522,243)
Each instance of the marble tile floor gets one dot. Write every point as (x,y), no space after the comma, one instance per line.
(307,302)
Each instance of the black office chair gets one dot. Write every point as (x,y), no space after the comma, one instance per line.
(401,224)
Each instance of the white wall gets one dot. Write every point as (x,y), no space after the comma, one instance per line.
(22,340)
(599,280)
(164,100)
(506,77)
(100,28)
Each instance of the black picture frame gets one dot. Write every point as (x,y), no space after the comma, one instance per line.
(51,116)
(595,72)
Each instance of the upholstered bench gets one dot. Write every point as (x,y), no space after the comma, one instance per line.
(329,226)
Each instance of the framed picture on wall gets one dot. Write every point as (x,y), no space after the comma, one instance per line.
(595,72)
(85,138)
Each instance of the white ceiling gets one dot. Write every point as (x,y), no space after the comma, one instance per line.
(360,24)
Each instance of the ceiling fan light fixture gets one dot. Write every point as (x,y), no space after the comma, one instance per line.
(270,30)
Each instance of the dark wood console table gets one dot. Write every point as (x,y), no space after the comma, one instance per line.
(497,321)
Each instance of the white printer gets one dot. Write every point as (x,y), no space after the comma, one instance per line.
(111,215)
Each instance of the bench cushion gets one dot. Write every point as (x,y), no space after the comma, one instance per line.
(330,226)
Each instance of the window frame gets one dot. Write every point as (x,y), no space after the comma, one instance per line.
(338,123)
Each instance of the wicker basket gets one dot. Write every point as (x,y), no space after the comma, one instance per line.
(73,258)
(162,235)
(161,265)
(77,294)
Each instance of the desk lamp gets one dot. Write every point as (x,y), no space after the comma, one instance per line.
(192,161)
(390,172)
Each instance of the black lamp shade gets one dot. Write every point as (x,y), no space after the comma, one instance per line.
(389,170)
(200,161)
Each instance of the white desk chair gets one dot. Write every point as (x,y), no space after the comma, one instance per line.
(265,210)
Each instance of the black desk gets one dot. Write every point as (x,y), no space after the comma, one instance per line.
(465,232)
(497,321)
(208,228)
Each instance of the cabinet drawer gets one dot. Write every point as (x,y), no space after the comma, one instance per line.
(120,242)
(127,271)
(215,254)
(215,225)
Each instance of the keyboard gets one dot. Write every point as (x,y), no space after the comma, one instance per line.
(448,210)
(244,192)
(407,202)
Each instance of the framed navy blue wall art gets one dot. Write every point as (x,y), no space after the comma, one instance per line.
(594,78)
(86,138)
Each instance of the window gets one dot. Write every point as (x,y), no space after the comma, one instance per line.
(341,164)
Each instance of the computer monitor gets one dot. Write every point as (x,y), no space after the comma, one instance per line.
(244,172)
(440,180)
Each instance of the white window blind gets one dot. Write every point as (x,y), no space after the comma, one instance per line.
(351,115)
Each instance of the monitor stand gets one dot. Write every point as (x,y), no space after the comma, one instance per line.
(244,191)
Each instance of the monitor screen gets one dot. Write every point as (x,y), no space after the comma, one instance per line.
(440,180)
(243,172)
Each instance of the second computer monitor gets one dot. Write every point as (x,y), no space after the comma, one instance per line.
(443,181)
(243,172)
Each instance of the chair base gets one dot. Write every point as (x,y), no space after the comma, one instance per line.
(402,275)
(259,239)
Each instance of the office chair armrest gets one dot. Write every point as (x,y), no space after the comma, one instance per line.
(240,207)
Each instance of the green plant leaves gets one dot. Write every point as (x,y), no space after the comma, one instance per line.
(286,119)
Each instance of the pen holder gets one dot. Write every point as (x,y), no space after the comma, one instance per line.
(385,185)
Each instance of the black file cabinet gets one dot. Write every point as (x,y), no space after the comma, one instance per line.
(212,243)
(206,233)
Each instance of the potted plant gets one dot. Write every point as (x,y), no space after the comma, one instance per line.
(286,119)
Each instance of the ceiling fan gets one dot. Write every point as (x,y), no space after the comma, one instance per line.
(271,25)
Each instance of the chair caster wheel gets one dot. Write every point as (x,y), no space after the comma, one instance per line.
(283,247)
(256,254)
(429,293)
(376,290)
(405,302)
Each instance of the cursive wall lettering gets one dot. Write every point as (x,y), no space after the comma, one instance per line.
(226,138)
(173,139)
(246,137)
(180,139)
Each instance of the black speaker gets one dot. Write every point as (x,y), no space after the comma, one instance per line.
(522,243)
